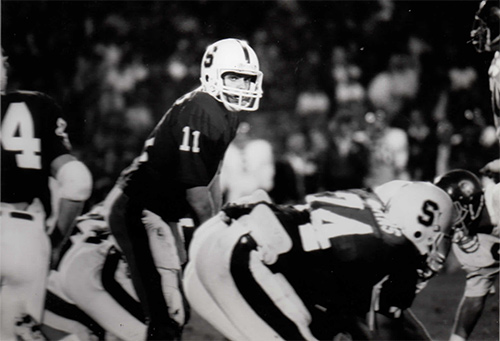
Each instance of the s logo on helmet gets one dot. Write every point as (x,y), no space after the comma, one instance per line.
(209,60)
(429,209)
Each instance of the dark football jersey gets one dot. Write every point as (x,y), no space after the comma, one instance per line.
(361,258)
(353,247)
(33,135)
(183,151)
(342,247)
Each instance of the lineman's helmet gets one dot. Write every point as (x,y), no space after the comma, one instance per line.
(425,213)
(465,189)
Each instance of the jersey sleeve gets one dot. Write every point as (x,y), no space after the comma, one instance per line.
(480,282)
(398,140)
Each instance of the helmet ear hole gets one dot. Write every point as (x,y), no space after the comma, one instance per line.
(417,234)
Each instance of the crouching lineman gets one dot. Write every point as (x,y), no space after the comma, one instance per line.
(476,245)
(35,149)
(335,265)
(91,295)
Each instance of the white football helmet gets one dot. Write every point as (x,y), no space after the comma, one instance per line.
(231,55)
(387,190)
(425,213)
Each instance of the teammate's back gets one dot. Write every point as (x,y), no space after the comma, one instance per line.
(33,135)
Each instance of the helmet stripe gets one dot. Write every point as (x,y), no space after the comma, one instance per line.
(245,51)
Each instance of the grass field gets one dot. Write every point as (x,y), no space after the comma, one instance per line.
(435,307)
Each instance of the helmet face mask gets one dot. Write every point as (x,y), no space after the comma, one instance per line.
(241,99)
(485,29)
(465,190)
(438,252)
(468,214)
(236,57)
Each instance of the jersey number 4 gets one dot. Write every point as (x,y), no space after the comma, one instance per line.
(18,135)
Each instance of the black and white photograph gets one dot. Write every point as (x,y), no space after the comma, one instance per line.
(250,170)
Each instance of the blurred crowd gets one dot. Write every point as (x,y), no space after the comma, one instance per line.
(356,93)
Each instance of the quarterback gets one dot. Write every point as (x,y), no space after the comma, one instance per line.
(177,173)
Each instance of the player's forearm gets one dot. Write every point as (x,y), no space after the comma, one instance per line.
(69,210)
(469,311)
(75,186)
(201,202)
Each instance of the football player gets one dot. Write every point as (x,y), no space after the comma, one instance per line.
(90,294)
(485,36)
(389,150)
(335,266)
(177,173)
(476,245)
(35,148)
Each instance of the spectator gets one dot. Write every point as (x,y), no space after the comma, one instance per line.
(393,89)
(344,163)
(388,150)
(303,162)
(422,145)
(248,165)
(346,76)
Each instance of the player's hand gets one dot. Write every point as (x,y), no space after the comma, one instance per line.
(424,275)
(435,261)
(164,330)
(175,303)
(467,243)
(173,295)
